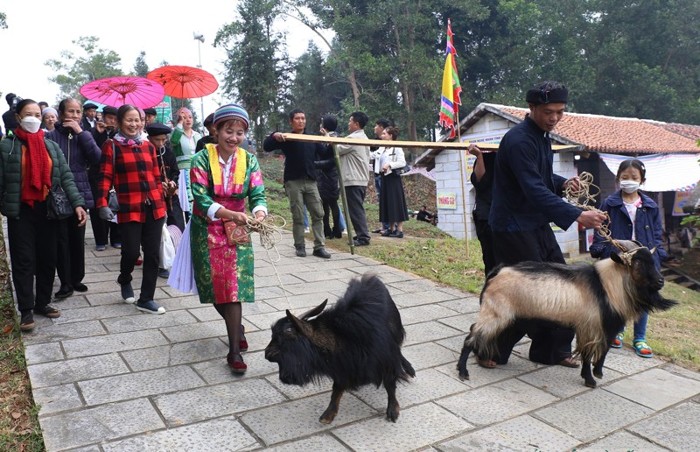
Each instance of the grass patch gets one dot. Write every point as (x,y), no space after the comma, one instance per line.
(19,423)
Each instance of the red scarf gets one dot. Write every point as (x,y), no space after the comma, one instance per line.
(38,168)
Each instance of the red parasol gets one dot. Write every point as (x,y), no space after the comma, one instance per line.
(117,91)
(184,82)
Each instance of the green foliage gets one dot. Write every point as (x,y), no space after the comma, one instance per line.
(92,63)
(140,66)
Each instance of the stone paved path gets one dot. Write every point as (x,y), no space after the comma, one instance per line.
(110,378)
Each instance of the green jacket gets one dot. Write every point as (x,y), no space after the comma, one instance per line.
(11,174)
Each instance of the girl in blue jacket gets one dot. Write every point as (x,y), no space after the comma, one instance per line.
(633,216)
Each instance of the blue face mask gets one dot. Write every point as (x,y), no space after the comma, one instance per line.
(629,186)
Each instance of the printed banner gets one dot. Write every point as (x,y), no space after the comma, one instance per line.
(447,201)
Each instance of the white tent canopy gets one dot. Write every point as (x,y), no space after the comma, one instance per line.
(665,172)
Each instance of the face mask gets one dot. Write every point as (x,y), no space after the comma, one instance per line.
(30,123)
(629,186)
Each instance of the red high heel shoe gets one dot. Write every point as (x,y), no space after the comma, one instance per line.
(243,343)
(236,364)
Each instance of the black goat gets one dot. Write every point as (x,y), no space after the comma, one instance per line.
(595,300)
(355,343)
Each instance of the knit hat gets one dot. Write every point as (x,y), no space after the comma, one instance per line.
(231,111)
(48,110)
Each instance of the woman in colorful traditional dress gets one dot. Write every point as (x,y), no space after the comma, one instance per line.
(184,143)
(223,177)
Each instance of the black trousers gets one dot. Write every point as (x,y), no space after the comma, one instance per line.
(330,207)
(175,214)
(104,231)
(355,195)
(32,239)
(550,343)
(483,233)
(70,263)
(137,236)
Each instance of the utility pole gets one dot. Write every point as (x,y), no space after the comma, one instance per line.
(200,40)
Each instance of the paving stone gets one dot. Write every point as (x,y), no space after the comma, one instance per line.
(139,384)
(417,285)
(420,298)
(315,287)
(269,270)
(424,313)
(320,442)
(623,441)
(100,345)
(194,331)
(592,414)
(428,385)
(479,376)
(187,407)
(497,402)
(564,382)
(293,392)
(454,343)
(99,273)
(625,361)
(341,274)
(277,280)
(203,437)
(92,448)
(461,322)
(655,388)
(59,332)
(521,433)
(43,353)
(462,305)
(265,293)
(418,333)
(103,423)
(297,303)
(265,321)
(272,424)
(425,355)
(179,303)
(678,370)
(73,302)
(390,275)
(416,427)
(146,321)
(678,428)
(73,370)
(175,354)
(217,371)
(98,313)
(57,398)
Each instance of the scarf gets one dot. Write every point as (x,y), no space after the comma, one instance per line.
(126,141)
(38,168)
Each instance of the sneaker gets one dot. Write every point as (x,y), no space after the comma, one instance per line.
(100,247)
(27,321)
(306,230)
(301,252)
(117,245)
(360,242)
(321,252)
(397,235)
(150,306)
(163,273)
(128,293)
(48,311)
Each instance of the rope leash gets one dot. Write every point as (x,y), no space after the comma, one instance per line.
(584,198)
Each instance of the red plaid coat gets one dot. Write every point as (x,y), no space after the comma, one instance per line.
(136,178)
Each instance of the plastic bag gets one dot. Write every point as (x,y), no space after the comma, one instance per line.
(182,272)
(167,249)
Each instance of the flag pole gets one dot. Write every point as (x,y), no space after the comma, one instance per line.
(462,183)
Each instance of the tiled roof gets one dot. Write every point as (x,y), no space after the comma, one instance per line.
(615,135)
(682,129)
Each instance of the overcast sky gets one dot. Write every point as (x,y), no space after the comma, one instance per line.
(39,30)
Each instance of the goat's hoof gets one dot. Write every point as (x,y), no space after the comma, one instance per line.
(392,414)
(591,383)
(464,375)
(598,374)
(327,418)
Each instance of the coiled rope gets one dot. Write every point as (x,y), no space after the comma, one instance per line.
(584,197)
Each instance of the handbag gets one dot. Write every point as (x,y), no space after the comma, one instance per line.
(58,206)
(236,234)
(112,199)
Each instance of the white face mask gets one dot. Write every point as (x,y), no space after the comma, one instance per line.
(30,123)
(629,186)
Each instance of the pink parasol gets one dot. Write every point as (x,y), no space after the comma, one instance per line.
(117,91)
